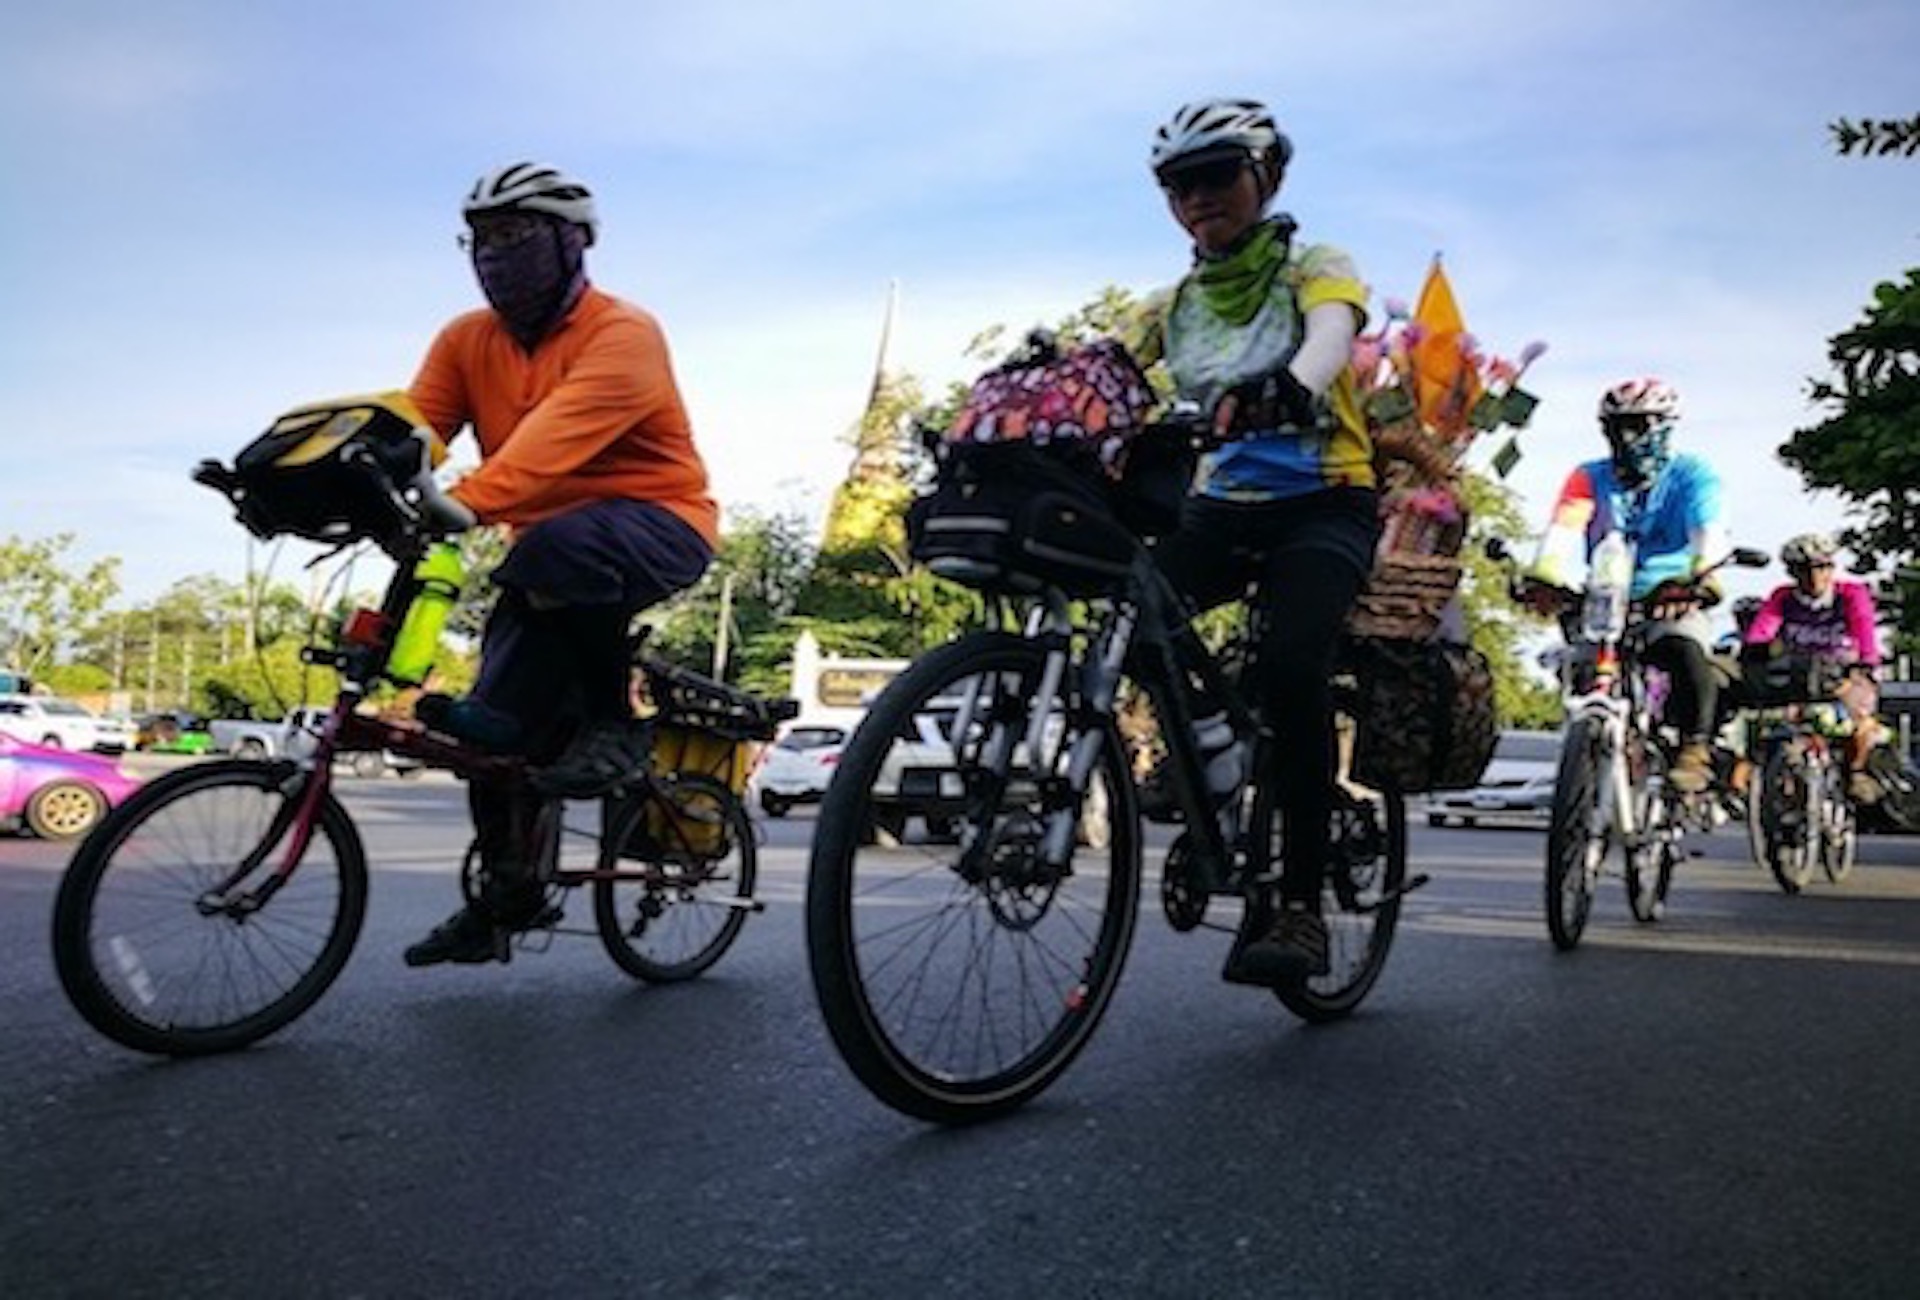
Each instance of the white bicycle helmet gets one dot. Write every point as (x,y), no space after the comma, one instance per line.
(1808,548)
(1212,128)
(1651,397)
(534,187)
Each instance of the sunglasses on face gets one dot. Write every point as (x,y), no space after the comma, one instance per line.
(1802,570)
(1210,177)
(1629,424)
(510,232)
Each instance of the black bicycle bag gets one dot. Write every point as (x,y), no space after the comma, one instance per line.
(1016,518)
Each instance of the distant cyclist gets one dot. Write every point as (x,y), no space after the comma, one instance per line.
(1668,506)
(1260,332)
(1828,620)
(587,455)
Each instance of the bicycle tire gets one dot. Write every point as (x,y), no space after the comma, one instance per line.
(1649,869)
(914,964)
(677,912)
(184,981)
(1573,839)
(1790,833)
(1362,915)
(1839,824)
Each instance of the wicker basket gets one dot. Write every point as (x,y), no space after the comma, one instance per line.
(1405,596)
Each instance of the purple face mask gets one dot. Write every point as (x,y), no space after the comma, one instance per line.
(532,284)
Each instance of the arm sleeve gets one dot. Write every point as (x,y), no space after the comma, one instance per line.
(1327,348)
(1708,535)
(1862,626)
(1766,624)
(439,389)
(621,380)
(1333,305)
(1563,546)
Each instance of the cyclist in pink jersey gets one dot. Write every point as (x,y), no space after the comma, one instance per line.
(1830,620)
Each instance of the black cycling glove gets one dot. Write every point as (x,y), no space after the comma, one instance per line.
(1272,401)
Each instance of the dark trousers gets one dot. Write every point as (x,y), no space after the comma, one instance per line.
(1694,690)
(1307,557)
(555,649)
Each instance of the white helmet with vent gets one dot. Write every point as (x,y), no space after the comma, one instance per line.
(534,187)
(1213,128)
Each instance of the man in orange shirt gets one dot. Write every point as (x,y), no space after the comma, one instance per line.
(587,455)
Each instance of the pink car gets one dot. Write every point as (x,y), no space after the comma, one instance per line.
(56,793)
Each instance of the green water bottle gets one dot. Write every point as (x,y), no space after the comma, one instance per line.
(418,643)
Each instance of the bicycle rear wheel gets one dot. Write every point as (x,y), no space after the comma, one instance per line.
(685,852)
(173,932)
(958,980)
(1360,899)
(1576,841)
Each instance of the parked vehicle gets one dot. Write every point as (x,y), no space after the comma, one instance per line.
(118,733)
(920,777)
(51,721)
(54,793)
(795,768)
(1516,789)
(296,736)
(172,732)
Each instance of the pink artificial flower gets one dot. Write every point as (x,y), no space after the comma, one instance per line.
(1368,351)
(1502,371)
(1396,309)
(1531,353)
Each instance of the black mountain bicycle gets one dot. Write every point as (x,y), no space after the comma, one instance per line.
(960,977)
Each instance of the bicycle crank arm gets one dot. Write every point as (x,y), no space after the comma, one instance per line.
(1407,887)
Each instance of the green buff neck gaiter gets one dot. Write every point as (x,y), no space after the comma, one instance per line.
(1235,284)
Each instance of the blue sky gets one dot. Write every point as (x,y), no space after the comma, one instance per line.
(214,211)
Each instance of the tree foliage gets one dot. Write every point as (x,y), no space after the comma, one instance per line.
(1869,137)
(1867,448)
(43,598)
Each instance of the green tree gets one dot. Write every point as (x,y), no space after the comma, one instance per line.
(44,598)
(1867,448)
(1869,137)
(757,576)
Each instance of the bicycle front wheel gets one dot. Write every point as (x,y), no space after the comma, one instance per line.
(181,929)
(959,979)
(1576,841)
(684,852)
(1360,900)
(1839,823)
(1787,817)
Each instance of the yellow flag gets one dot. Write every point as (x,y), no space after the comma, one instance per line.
(1446,382)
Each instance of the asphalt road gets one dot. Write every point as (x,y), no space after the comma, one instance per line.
(1720,1105)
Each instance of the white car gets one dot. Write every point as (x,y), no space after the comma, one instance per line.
(796,768)
(1516,787)
(51,721)
(919,777)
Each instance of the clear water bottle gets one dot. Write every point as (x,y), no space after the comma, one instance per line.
(418,643)
(1609,584)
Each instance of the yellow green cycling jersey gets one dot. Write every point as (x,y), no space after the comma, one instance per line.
(1208,352)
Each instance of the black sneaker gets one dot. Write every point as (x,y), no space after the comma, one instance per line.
(1293,949)
(471,721)
(602,756)
(468,937)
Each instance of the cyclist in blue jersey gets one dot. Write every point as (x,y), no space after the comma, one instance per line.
(1668,506)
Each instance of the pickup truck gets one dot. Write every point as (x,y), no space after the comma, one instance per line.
(292,736)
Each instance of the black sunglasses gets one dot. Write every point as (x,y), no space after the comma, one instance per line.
(1209,176)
